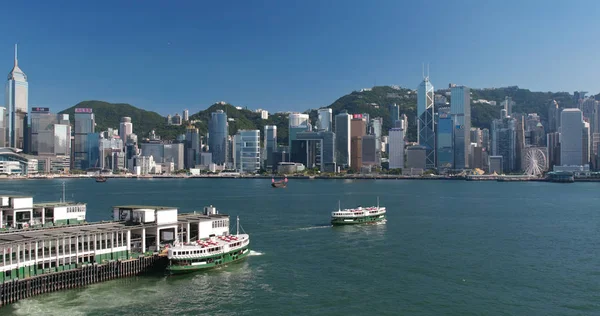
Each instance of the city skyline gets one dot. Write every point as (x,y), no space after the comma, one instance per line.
(297,60)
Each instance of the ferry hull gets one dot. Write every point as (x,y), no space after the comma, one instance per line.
(357,220)
(217,261)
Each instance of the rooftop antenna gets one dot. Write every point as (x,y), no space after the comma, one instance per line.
(427,70)
(16,60)
(423,70)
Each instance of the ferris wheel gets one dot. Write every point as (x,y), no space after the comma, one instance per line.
(535,162)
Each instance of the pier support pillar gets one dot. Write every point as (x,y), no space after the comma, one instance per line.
(143,240)
(128,240)
(187,233)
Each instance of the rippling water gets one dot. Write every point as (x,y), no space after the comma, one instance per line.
(448,248)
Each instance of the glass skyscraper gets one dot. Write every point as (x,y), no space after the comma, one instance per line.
(460,110)
(247,150)
(218,130)
(445,148)
(270,144)
(17,101)
(425,121)
(342,139)
(84,125)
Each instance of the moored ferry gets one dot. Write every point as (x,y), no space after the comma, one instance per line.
(208,252)
(359,215)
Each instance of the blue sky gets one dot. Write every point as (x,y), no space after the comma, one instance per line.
(291,55)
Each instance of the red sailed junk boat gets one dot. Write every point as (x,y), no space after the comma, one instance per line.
(279,184)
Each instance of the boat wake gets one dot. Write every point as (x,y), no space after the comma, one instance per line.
(314,227)
(255,253)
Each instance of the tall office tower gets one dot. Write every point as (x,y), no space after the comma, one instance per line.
(460,110)
(396,141)
(17,101)
(585,144)
(315,150)
(298,122)
(445,140)
(375,128)
(535,134)
(553,117)
(508,105)
(270,145)
(342,139)
(186,115)
(475,137)
(485,139)
(394,113)
(324,122)
(247,150)
(571,137)
(553,143)
(504,142)
(192,147)
(358,129)
(425,121)
(298,119)
(125,129)
(84,125)
(3,119)
(218,131)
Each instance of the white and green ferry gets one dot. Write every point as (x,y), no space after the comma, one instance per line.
(208,252)
(359,215)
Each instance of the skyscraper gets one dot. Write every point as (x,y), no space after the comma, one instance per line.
(571,137)
(394,113)
(445,140)
(84,125)
(396,141)
(504,142)
(298,122)
(192,147)
(125,129)
(186,115)
(17,101)
(324,122)
(358,129)
(270,144)
(553,117)
(3,119)
(247,150)
(460,110)
(425,123)
(218,130)
(342,139)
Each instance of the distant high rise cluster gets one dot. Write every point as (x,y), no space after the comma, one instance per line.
(566,139)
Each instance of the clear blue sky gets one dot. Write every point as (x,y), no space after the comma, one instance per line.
(291,55)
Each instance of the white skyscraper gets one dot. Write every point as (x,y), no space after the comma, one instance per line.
(571,137)
(298,119)
(17,102)
(186,115)
(324,122)
(396,142)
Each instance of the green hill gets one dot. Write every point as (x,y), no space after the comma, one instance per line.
(108,115)
(373,101)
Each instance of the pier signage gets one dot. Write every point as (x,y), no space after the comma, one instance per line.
(40,110)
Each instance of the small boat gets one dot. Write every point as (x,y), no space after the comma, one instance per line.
(208,252)
(100,179)
(279,184)
(359,215)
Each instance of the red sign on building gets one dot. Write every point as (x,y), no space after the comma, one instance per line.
(356,116)
(83,110)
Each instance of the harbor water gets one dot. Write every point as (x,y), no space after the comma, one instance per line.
(448,248)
